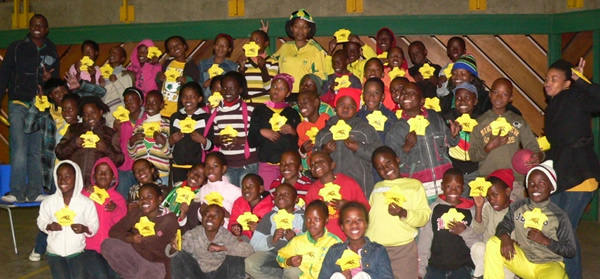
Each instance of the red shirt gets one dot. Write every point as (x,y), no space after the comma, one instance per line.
(241,206)
(302,185)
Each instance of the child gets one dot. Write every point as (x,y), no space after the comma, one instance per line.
(270,137)
(373,95)
(340,63)
(117,83)
(444,247)
(255,200)
(110,211)
(488,215)
(424,156)
(196,178)
(133,255)
(455,48)
(291,173)
(78,220)
(374,261)
(72,145)
(396,87)
(145,172)
(225,257)
(189,146)
(90,49)
(222,48)
(311,82)
(393,225)
(308,106)
(356,49)
(322,167)
(352,156)
(494,151)
(258,70)
(233,111)
(539,253)
(268,239)
(183,71)
(145,69)
(155,147)
(303,256)
(418,56)
(374,69)
(385,40)
(395,59)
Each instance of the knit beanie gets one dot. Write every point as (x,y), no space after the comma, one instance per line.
(285,77)
(466,85)
(467,62)
(304,15)
(548,169)
(317,80)
(353,93)
(506,175)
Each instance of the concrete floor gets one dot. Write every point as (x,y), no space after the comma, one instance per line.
(18,266)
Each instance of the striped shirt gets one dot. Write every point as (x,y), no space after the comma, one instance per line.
(258,90)
(233,116)
(302,184)
(147,148)
(187,151)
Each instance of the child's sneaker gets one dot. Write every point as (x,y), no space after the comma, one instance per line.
(9,198)
(40,198)
(34,257)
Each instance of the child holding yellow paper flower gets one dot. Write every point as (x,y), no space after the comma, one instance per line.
(541,229)
(89,51)
(341,78)
(259,70)
(222,48)
(68,217)
(373,95)
(143,67)
(290,168)
(455,48)
(144,172)
(254,200)
(196,178)
(313,120)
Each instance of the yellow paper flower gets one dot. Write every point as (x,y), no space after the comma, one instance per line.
(154,52)
(215,70)
(277,121)
(342,82)
(426,71)
(245,218)
(340,130)
(349,260)
(229,132)
(214,198)
(466,122)
(301,203)
(187,125)
(500,126)
(184,195)
(251,49)
(383,55)
(418,124)
(310,254)
(150,128)
(330,192)
(283,219)
(452,216)
(172,74)
(377,120)
(535,219)
(178,239)
(89,139)
(543,143)
(41,103)
(122,114)
(479,186)
(580,75)
(215,99)
(448,70)
(106,71)
(145,226)
(312,133)
(99,195)
(341,36)
(395,196)
(65,217)
(85,63)
(399,114)
(396,72)
(433,103)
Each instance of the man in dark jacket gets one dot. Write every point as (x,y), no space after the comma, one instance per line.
(29,63)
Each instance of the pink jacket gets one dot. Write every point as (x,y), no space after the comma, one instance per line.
(127,129)
(144,75)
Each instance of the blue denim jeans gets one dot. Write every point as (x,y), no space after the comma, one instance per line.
(574,204)
(41,242)
(67,267)
(126,180)
(235,175)
(25,156)
(463,272)
(97,267)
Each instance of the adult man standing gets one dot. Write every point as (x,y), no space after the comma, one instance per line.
(28,63)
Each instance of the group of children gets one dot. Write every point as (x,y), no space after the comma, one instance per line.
(354,174)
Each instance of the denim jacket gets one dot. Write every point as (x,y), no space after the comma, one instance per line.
(374,260)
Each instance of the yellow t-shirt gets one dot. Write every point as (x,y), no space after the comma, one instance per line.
(170,88)
(297,62)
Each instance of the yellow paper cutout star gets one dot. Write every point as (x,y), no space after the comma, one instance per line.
(479,186)
(312,133)
(215,99)
(452,216)
(229,132)
(85,63)
(154,52)
(330,192)
(448,70)
(172,74)
(340,130)
(283,219)
(106,70)
(543,143)
(145,226)
(341,36)
(383,55)
(377,120)
(122,114)
(310,254)
(65,217)
(277,121)
(41,103)
(245,218)
(99,195)
(418,124)
(187,125)
(184,195)
(399,114)
(64,129)
(215,70)
(395,196)
(89,139)
(466,122)
(301,203)
(342,82)
(433,103)
(426,71)
(178,239)
(535,219)
(214,197)
(500,126)
(251,49)
(396,72)
(150,128)
(349,260)
(580,75)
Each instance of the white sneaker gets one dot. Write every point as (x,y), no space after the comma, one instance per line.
(34,257)
(9,198)
(40,198)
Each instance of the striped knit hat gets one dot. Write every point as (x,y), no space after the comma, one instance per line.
(467,62)
(548,169)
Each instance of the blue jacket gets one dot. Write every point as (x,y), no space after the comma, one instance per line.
(374,260)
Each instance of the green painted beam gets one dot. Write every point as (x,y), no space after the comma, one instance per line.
(576,21)
(554,48)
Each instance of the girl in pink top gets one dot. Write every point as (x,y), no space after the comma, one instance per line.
(144,68)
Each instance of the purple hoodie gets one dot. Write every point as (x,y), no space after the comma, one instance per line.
(144,75)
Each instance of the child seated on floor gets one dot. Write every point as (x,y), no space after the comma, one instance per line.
(254,200)
(144,172)
(291,173)
(196,178)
